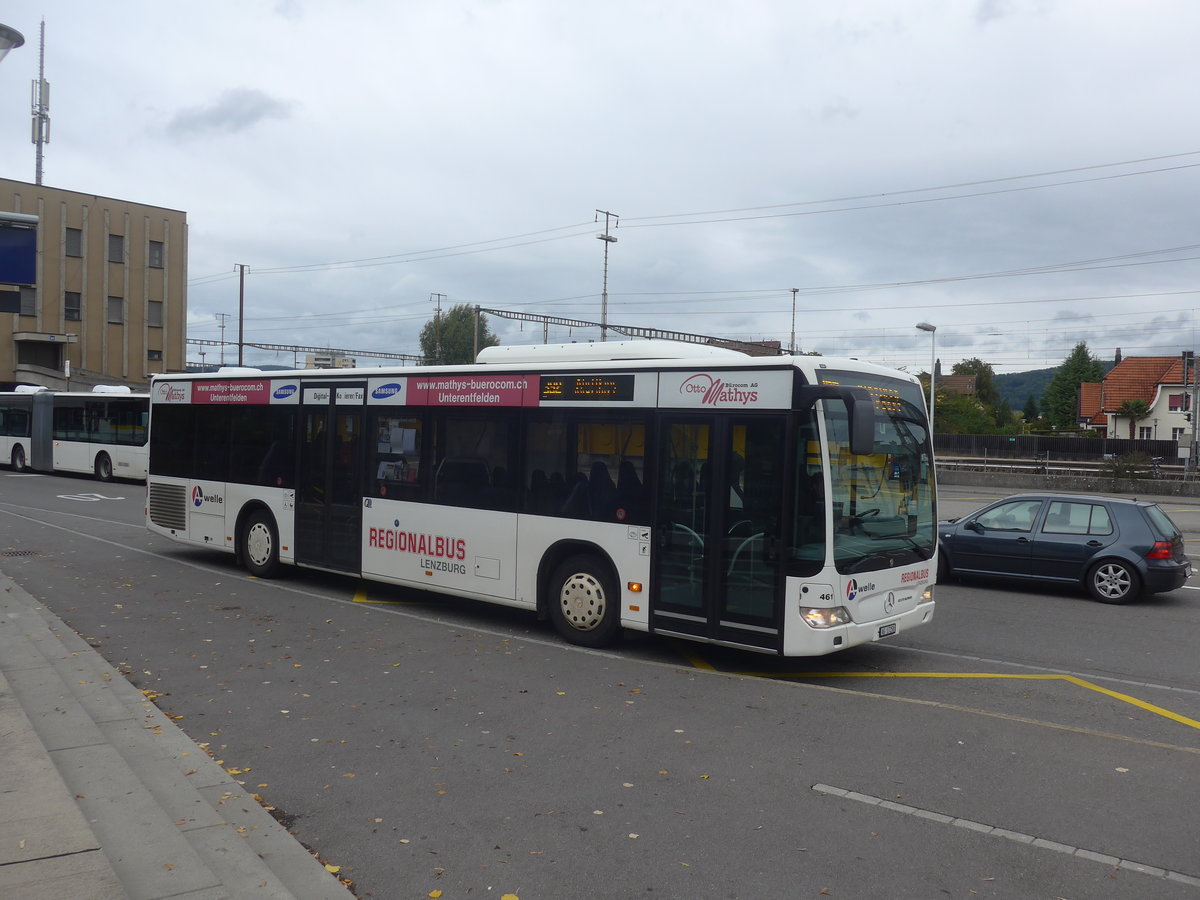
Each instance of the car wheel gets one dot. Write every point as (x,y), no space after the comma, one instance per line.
(18,458)
(944,572)
(1113,581)
(103,468)
(585,605)
(260,545)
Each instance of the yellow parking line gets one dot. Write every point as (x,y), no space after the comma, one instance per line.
(360,596)
(1125,698)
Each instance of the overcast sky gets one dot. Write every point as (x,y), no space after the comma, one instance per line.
(1023,174)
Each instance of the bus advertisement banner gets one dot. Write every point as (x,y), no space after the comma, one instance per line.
(473,390)
(723,389)
(248,391)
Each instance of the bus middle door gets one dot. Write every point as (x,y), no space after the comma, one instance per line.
(329,489)
(717,570)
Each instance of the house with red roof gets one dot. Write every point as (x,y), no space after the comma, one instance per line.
(1158,381)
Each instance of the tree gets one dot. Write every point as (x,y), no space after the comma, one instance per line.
(1003,415)
(1135,411)
(1030,412)
(962,414)
(1060,403)
(985,383)
(451,340)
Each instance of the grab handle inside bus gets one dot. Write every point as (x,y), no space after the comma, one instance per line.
(860,407)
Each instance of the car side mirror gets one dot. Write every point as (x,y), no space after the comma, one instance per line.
(975,526)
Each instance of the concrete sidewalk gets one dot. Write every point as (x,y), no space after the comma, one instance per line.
(102,796)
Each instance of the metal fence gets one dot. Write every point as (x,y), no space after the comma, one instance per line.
(999,446)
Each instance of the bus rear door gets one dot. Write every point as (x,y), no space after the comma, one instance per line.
(329,489)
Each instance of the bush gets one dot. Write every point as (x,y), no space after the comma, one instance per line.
(1131,465)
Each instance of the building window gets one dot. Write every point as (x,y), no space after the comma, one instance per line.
(1144,432)
(72,305)
(1177,402)
(156,255)
(116,310)
(116,248)
(154,314)
(154,354)
(74,242)
(1177,434)
(28,301)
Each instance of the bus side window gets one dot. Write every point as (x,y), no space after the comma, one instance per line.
(396,470)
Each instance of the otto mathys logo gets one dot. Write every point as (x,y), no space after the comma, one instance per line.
(712,391)
(169,393)
(386,391)
(284,391)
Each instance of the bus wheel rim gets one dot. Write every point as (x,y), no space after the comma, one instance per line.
(258,544)
(582,601)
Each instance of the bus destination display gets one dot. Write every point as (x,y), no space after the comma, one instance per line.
(587,387)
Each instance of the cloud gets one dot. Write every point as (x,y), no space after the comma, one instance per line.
(235,111)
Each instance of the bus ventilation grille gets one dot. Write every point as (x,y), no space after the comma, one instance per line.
(168,506)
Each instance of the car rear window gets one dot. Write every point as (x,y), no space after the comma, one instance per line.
(1077,518)
(1162,522)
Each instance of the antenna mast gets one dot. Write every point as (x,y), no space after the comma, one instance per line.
(41,106)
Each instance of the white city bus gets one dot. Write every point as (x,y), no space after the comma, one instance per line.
(781,504)
(102,433)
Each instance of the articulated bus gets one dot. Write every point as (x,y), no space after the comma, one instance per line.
(103,433)
(780,504)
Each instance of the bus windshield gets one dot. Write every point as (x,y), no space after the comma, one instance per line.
(881,503)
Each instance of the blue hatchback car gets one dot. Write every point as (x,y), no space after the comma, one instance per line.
(1117,549)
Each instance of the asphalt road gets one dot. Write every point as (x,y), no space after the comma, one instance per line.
(1027,744)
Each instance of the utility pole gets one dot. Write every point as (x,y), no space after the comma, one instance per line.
(241,313)
(1189,362)
(437,327)
(41,107)
(792,345)
(608,239)
(222,317)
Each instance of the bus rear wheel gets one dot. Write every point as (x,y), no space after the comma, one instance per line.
(18,458)
(585,605)
(104,470)
(260,545)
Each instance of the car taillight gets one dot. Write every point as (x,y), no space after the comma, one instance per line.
(1160,550)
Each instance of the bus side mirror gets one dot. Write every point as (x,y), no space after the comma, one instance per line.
(862,421)
(860,408)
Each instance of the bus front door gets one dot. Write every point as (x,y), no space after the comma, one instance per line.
(329,488)
(717,568)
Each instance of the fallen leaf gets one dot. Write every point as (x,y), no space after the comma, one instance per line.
(332,869)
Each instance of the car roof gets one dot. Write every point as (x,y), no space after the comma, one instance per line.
(1086,498)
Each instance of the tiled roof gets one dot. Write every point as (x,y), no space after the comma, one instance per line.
(1137,378)
(958,384)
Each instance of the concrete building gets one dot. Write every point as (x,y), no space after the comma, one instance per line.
(110,301)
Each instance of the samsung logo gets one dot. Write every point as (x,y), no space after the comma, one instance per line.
(386,391)
(284,391)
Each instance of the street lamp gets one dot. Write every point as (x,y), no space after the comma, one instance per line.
(10,39)
(932,329)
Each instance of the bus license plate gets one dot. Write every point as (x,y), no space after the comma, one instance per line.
(885,630)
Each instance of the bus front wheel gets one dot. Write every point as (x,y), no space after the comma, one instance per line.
(104,470)
(585,605)
(18,458)
(260,545)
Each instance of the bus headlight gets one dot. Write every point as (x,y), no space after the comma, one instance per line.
(927,594)
(824,617)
